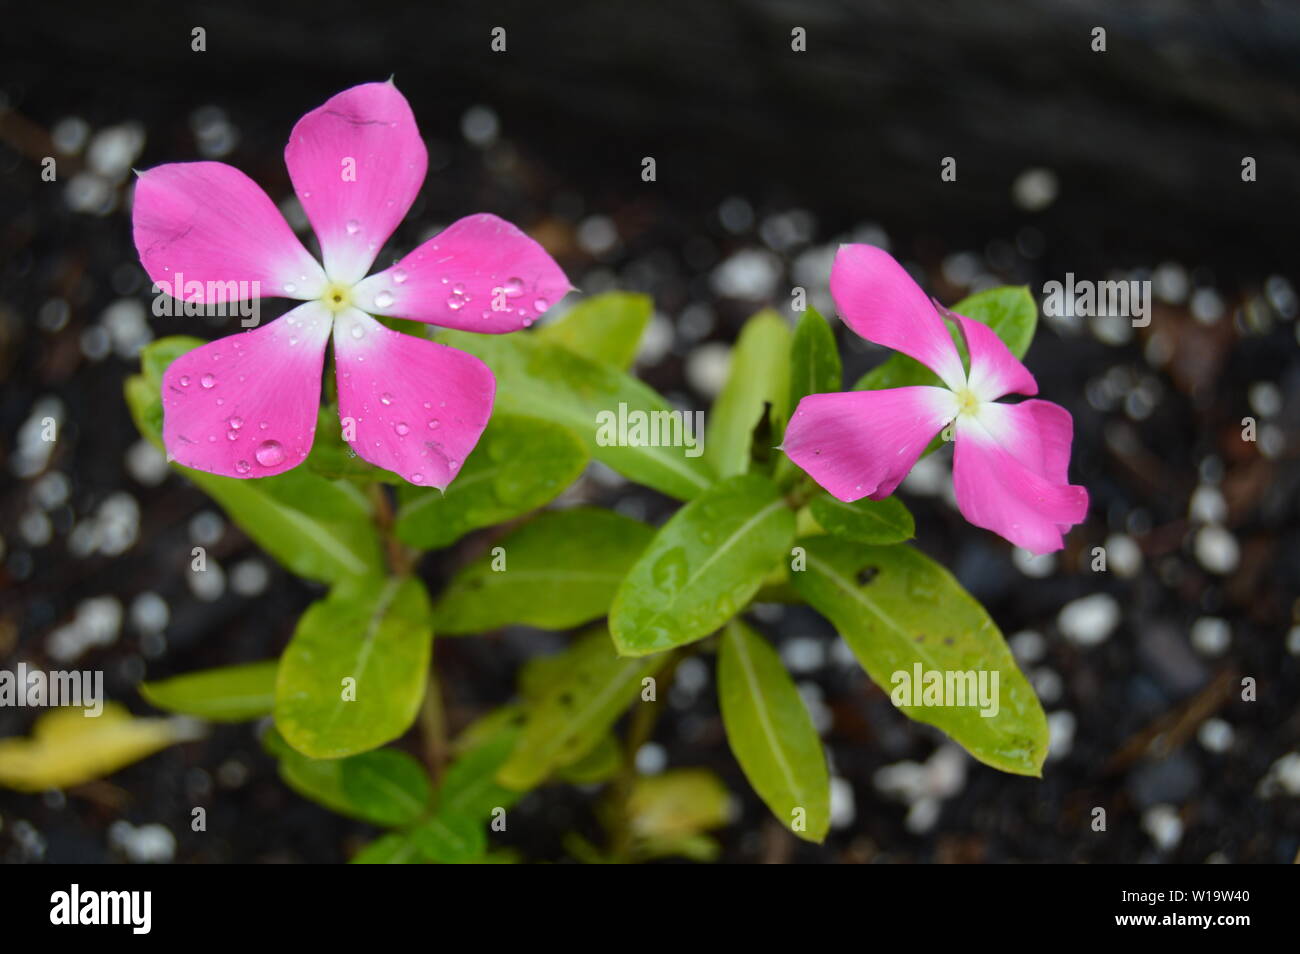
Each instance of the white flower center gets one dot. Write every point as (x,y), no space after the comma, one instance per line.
(337,297)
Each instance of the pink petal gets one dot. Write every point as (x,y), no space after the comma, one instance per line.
(994,370)
(862,443)
(246,405)
(878,299)
(999,489)
(356,163)
(417,408)
(480,274)
(1036,433)
(206,222)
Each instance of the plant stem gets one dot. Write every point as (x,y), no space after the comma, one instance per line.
(433,727)
(400,558)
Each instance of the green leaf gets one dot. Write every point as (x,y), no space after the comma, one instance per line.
(540,377)
(703,566)
(759,383)
(520,464)
(354,673)
(229,694)
(560,570)
(333,458)
(897,609)
(385,787)
(395,848)
(1010,311)
(771,733)
(317,529)
(865,520)
(814,359)
(469,786)
(450,839)
(599,765)
(677,804)
(574,713)
(605,328)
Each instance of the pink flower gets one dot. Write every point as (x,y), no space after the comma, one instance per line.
(246,405)
(1010,460)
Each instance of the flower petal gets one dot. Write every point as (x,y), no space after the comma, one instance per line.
(862,443)
(994,370)
(417,407)
(998,490)
(480,274)
(1036,433)
(206,225)
(357,163)
(246,405)
(878,299)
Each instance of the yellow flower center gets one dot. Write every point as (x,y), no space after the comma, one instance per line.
(967,402)
(337,297)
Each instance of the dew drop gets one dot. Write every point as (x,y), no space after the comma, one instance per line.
(290,287)
(417,478)
(384,299)
(402,428)
(185,380)
(358,332)
(458,289)
(232,435)
(243,466)
(433,424)
(353,226)
(455,303)
(269,453)
(207,380)
(385,398)
(513,287)
(236,423)
(399,276)
(540,305)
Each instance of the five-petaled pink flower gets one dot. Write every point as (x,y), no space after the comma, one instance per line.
(246,405)
(1010,460)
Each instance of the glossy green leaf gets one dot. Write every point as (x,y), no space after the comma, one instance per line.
(814,358)
(385,787)
(771,733)
(469,787)
(354,673)
(333,458)
(1010,311)
(575,712)
(897,609)
(548,380)
(703,566)
(450,839)
(556,571)
(228,694)
(865,520)
(158,354)
(606,328)
(520,464)
(395,848)
(601,764)
(758,384)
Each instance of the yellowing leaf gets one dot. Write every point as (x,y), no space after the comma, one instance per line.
(68,748)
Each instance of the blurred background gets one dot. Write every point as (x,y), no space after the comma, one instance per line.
(1125,163)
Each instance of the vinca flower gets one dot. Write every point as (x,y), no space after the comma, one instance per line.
(247,405)
(1009,460)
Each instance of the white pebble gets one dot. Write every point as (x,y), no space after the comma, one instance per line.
(1164,826)
(1088,621)
(1211,636)
(1216,549)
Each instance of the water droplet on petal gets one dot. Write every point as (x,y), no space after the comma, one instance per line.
(433,424)
(455,303)
(385,398)
(243,466)
(236,423)
(402,428)
(207,380)
(417,478)
(540,305)
(513,287)
(269,453)
(353,226)
(384,299)
(232,435)
(399,275)
(185,380)
(458,289)
(290,287)
(357,331)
